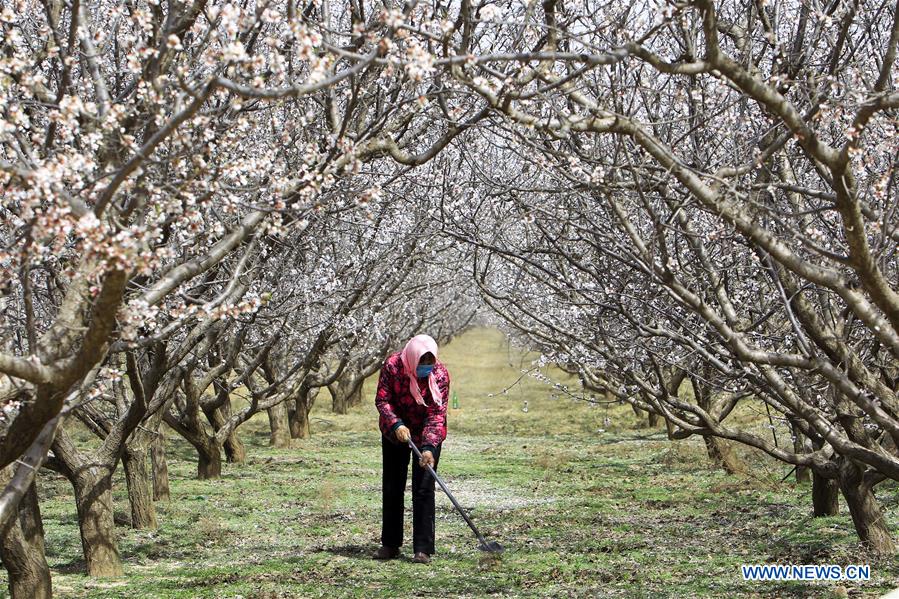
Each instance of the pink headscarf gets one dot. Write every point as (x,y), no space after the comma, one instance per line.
(412,353)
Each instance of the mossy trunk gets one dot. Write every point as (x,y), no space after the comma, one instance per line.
(22,548)
(867,515)
(160,467)
(280,427)
(140,493)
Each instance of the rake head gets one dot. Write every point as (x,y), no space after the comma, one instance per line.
(491,546)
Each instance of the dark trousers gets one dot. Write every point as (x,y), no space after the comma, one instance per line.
(395,467)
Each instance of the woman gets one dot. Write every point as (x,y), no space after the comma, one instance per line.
(411,399)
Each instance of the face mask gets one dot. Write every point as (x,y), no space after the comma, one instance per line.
(423,371)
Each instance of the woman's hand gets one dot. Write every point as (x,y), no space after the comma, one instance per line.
(427,459)
(402,434)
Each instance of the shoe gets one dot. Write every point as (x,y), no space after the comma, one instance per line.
(421,558)
(387,553)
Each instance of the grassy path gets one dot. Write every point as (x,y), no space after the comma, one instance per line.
(586,507)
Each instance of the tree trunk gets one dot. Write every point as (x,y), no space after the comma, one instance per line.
(280,427)
(722,455)
(299,425)
(91,479)
(209,448)
(235,452)
(338,399)
(160,466)
(825,496)
(140,495)
(800,445)
(346,392)
(292,419)
(720,452)
(652,420)
(355,396)
(803,475)
(93,498)
(22,548)
(210,460)
(867,516)
(299,416)
(639,414)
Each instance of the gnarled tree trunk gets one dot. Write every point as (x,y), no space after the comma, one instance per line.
(235,452)
(639,414)
(93,498)
(22,547)
(91,479)
(339,404)
(209,449)
(867,516)
(825,491)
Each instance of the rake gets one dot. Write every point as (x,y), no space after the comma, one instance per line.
(485,545)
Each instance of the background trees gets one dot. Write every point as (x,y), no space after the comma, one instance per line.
(210,210)
(713,207)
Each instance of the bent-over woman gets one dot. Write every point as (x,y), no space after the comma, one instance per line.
(412,391)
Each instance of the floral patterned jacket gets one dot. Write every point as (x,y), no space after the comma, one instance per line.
(396,406)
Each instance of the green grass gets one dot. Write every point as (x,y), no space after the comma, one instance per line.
(586,505)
